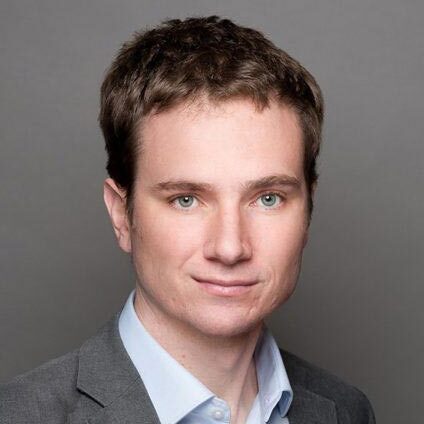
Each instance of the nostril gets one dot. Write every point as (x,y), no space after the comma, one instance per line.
(228,253)
(228,239)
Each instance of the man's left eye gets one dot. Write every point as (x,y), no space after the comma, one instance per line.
(271,199)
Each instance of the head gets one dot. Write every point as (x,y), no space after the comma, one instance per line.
(212,136)
(183,61)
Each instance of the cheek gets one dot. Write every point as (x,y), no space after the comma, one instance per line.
(281,240)
(281,253)
(162,242)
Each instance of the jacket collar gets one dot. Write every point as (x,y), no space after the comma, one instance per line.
(114,392)
(310,408)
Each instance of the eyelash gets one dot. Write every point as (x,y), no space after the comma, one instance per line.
(173,199)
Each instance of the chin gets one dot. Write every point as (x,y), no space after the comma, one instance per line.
(226,327)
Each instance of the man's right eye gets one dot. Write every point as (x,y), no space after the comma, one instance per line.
(183,202)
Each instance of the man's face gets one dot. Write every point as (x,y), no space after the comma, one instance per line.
(220,196)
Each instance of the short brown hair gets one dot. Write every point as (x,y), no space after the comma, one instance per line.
(181,60)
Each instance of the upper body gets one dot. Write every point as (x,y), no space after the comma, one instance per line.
(212,135)
(99,383)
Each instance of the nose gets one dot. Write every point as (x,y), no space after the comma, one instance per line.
(228,240)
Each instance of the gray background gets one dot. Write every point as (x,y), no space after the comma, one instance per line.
(358,307)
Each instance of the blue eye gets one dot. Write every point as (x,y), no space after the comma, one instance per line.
(184,202)
(270,199)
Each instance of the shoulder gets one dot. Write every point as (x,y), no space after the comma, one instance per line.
(41,395)
(351,403)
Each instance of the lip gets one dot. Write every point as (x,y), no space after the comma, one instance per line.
(225,288)
(223,283)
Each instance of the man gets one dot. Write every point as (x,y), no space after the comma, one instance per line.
(212,136)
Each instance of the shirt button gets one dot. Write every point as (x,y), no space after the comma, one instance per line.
(217,414)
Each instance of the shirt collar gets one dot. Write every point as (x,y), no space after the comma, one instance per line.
(273,382)
(161,381)
(160,372)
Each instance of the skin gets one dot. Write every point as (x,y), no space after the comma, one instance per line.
(227,230)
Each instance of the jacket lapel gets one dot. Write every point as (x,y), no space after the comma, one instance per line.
(112,390)
(310,408)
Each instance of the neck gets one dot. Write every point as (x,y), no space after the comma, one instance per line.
(223,364)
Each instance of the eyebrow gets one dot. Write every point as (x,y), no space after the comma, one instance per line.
(264,182)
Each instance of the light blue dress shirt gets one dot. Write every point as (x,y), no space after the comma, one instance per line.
(178,397)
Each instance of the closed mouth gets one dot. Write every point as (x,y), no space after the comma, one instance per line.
(225,283)
(226,288)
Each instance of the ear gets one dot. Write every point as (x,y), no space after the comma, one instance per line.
(115,201)
(306,235)
(313,188)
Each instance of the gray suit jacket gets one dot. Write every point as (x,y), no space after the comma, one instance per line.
(98,384)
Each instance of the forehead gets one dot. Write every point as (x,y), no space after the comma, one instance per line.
(221,142)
